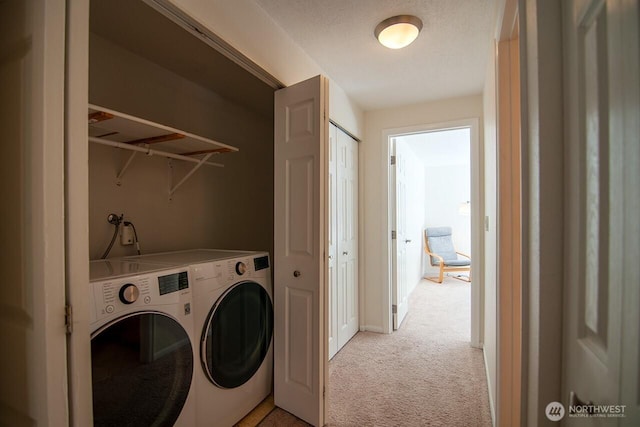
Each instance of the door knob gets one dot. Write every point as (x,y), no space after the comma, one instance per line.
(296,273)
(330,257)
(574,400)
(408,241)
(345,253)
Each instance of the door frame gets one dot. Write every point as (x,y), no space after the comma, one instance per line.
(477,236)
(543,147)
(77,213)
(509,223)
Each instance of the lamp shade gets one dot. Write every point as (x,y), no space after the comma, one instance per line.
(398,31)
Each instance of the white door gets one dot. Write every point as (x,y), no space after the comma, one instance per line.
(33,390)
(333,246)
(347,221)
(400,295)
(602,246)
(300,276)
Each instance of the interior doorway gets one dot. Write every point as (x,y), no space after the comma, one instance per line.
(429,167)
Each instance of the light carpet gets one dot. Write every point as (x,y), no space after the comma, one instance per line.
(424,374)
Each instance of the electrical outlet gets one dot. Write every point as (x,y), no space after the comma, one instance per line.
(126,236)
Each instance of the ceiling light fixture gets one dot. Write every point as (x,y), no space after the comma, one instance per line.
(398,31)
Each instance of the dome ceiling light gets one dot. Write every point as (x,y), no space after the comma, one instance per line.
(398,31)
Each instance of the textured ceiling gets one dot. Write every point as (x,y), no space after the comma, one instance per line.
(447,60)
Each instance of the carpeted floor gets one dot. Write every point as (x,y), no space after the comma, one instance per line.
(424,374)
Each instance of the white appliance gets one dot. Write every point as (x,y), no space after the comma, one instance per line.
(143,352)
(233,314)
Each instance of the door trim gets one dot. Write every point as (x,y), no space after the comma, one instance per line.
(77,213)
(509,290)
(542,130)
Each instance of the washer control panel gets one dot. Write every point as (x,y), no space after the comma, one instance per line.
(116,296)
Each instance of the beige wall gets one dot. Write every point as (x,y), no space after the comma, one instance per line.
(230,207)
(373,192)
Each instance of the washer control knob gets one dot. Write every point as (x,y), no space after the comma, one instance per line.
(241,268)
(129,293)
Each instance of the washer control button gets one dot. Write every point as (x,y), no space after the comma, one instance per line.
(147,299)
(129,293)
(109,309)
(241,268)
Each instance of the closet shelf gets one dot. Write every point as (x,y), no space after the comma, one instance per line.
(120,130)
(116,129)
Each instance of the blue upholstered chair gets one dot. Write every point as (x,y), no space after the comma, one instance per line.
(438,244)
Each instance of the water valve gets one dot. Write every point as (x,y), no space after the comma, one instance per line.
(126,236)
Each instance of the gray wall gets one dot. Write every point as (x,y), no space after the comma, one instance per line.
(230,207)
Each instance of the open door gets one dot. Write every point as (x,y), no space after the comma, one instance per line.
(399,238)
(34,387)
(301,170)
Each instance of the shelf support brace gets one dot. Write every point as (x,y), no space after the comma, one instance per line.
(188,175)
(124,168)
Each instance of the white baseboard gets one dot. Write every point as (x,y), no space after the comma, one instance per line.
(491,404)
(368,328)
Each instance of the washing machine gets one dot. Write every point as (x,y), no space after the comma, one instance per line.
(143,346)
(233,315)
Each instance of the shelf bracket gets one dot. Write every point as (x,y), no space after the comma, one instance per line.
(124,168)
(187,176)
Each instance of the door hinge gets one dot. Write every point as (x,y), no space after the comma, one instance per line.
(394,309)
(324,392)
(68,319)
(393,234)
(393,160)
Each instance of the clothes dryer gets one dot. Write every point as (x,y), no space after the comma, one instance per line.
(233,315)
(142,344)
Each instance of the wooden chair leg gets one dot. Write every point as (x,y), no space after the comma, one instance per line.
(459,277)
(441,277)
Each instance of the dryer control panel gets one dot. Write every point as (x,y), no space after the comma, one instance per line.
(117,296)
(228,271)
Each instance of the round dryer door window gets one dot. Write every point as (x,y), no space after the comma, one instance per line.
(237,335)
(142,366)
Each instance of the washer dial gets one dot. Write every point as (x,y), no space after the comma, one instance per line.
(129,293)
(241,268)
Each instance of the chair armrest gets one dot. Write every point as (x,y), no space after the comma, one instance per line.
(464,255)
(431,254)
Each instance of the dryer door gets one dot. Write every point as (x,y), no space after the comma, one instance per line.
(237,335)
(142,366)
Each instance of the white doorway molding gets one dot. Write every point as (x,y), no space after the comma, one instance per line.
(477,214)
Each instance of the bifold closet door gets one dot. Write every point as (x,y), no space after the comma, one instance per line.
(343,262)
(333,246)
